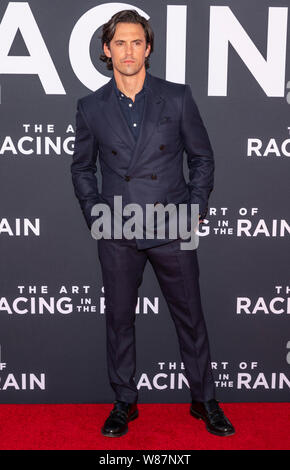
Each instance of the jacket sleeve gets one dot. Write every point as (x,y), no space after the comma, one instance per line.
(200,158)
(83,167)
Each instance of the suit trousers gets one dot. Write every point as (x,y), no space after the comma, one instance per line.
(177,272)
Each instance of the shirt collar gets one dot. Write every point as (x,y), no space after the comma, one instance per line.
(121,95)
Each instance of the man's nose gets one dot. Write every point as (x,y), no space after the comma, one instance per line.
(129,49)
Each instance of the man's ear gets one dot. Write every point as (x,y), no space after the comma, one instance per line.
(148,50)
(107,50)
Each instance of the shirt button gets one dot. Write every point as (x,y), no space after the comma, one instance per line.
(135,125)
(127,178)
(130,104)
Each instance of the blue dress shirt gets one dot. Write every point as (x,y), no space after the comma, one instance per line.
(132,110)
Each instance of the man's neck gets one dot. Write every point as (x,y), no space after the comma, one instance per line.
(130,85)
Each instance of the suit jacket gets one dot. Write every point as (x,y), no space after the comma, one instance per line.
(149,170)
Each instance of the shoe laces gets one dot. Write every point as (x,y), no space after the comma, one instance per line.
(119,412)
(217,415)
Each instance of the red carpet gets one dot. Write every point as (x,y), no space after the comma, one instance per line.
(159,427)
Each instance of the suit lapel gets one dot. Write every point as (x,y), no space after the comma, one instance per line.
(115,119)
(152,109)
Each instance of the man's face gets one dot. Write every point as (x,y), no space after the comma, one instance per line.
(128,48)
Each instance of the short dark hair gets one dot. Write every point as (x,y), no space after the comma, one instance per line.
(125,16)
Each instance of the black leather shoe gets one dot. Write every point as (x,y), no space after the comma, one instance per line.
(216,422)
(116,424)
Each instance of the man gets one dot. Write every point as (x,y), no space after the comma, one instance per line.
(140,125)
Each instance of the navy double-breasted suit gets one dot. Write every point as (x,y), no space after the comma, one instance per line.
(147,171)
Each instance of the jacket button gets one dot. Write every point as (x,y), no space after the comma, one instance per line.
(127,178)
(162,147)
(154,177)
(114,152)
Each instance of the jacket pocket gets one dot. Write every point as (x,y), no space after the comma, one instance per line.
(168,126)
(178,196)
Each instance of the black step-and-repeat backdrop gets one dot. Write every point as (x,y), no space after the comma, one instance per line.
(235,56)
